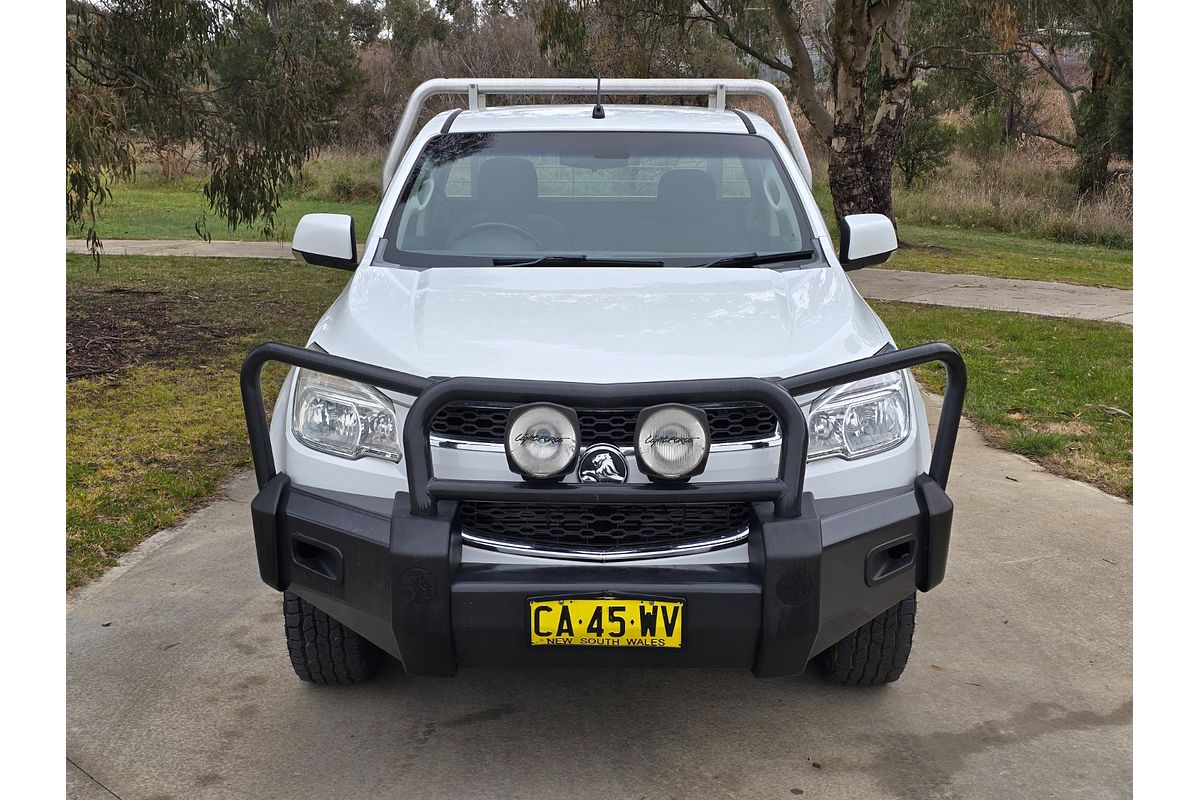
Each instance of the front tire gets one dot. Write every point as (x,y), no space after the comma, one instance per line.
(877,652)
(323,650)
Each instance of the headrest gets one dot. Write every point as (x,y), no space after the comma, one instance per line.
(693,187)
(506,181)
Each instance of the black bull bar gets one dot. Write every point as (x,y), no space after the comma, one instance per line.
(778,395)
(786,541)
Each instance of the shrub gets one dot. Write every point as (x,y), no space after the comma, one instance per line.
(925,148)
(346,189)
(982,137)
(301,185)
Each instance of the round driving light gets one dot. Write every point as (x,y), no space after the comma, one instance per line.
(542,440)
(672,441)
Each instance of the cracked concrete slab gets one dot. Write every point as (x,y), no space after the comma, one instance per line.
(961,291)
(1019,685)
(81,786)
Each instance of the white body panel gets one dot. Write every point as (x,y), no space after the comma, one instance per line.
(869,237)
(325,235)
(601,325)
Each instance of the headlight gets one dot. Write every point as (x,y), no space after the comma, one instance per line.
(343,418)
(672,441)
(860,418)
(542,440)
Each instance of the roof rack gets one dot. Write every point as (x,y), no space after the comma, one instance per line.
(476,90)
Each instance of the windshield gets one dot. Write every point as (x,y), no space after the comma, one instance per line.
(674,199)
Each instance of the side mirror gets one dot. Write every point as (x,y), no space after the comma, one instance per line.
(326,240)
(866,240)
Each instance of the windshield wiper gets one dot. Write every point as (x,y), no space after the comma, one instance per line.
(574,261)
(755,260)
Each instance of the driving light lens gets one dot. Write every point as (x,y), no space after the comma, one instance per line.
(542,440)
(860,418)
(672,441)
(343,418)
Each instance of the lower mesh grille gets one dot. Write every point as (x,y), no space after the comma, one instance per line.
(603,526)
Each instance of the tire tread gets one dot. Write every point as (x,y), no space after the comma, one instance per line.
(877,652)
(323,650)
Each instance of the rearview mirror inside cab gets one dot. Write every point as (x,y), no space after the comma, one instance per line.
(866,240)
(326,240)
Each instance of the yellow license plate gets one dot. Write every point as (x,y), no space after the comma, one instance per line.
(606,622)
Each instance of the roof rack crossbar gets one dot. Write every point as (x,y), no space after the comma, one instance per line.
(476,91)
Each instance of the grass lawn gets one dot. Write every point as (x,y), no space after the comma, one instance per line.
(172,210)
(963,250)
(1055,390)
(154,422)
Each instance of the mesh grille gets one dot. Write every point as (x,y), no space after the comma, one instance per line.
(729,423)
(603,526)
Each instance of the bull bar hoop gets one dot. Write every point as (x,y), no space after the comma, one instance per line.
(785,490)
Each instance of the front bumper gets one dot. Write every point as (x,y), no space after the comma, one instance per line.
(393,572)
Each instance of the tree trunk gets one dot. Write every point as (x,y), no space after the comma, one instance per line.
(861,183)
(1094,144)
(863,143)
(864,150)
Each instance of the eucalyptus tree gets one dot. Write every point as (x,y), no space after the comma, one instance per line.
(1082,49)
(858,48)
(253,85)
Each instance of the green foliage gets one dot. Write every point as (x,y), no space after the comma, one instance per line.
(98,151)
(996,57)
(365,20)
(412,22)
(345,188)
(253,84)
(926,143)
(1104,121)
(620,38)
(982,136)
(281,84)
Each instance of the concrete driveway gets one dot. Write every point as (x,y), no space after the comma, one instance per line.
(1019,685)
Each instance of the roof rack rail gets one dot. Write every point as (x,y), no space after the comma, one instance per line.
(477,89)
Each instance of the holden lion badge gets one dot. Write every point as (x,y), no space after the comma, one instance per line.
(603,463)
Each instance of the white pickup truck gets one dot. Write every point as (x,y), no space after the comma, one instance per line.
(599,393)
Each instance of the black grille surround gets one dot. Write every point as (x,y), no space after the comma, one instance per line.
(597,528)
(729,423)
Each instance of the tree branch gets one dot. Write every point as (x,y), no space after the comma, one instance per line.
(1054,69)
(802,74)
(711,15)
(1051,137)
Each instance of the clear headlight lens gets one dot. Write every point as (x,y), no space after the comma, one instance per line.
(542,440)
(344,418)
(860,419)
(672,441)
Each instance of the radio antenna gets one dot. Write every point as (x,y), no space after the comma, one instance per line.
(598,111)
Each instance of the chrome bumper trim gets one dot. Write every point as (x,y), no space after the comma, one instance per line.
(514,547)
(473,446)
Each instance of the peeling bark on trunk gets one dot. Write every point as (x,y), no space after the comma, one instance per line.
(864,150)
(863,142)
